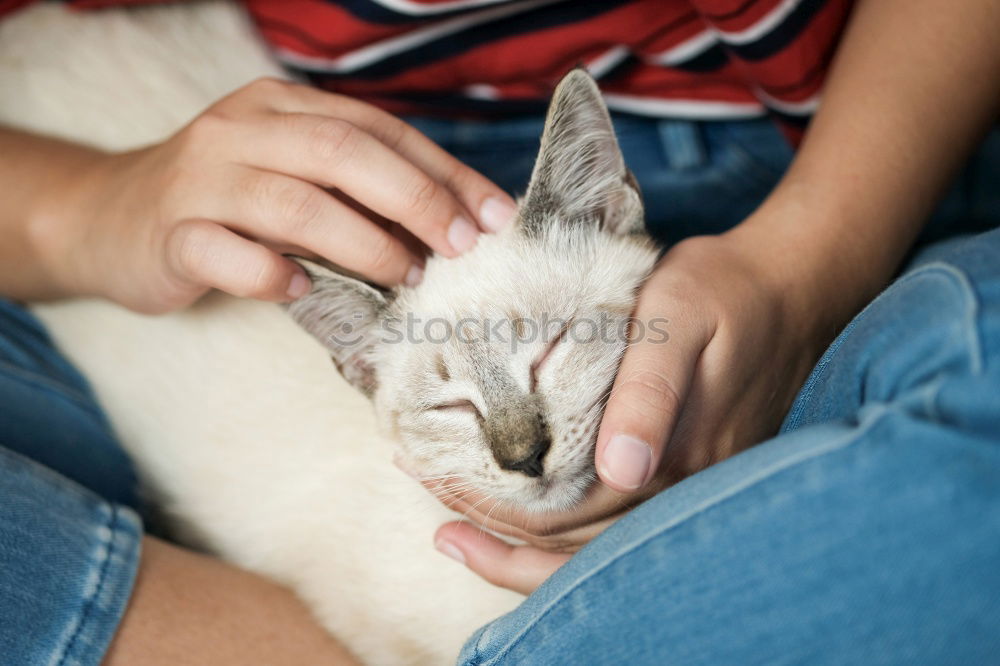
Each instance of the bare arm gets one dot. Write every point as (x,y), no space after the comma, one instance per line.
(915,86)
(187,608)
(32,170)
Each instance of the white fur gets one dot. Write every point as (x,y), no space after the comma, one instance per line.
(241,428)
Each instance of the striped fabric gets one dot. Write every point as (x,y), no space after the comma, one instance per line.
(702,59)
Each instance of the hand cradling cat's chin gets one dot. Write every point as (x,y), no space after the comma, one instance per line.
(564,531)
(744,349)
(549,539)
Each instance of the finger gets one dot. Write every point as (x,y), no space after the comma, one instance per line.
(333,152)
(565,530)
(205,253)
(493,208)
(517,568)
(287,210)
(649,390)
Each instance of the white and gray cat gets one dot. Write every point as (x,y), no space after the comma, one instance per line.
(494,369)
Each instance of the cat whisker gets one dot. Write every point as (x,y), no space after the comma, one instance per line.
(454,490)
(465,515)
(497,505)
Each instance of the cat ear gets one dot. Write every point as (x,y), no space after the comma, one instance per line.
(580,174)
(344,314)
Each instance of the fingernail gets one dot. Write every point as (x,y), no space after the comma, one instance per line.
(414,276)
(449,549)
(626,461)
(496,213)
(298,286)
(462,234)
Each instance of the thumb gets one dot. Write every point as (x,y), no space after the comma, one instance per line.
(648,394)
(517,568)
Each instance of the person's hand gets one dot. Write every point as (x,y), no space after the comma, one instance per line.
(273,167)
(744,331)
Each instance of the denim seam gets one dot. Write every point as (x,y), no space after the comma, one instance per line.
(737,159)
(930,399)
(120,523)
(78,398)
(795,415)
(109,552)
(975,344)
(745,484)
(972,305)
(22,462)
(972,312)
(734,143)
(683,145)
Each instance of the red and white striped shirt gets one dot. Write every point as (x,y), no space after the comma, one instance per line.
(702,59)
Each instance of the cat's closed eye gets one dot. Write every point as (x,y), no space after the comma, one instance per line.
(458,406)
(536,365)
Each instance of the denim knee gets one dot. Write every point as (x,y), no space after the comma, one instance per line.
(68,559)
(937,325)
(69,537)
(50,415)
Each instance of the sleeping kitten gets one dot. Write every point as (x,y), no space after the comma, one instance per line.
(496,368)
(245,437)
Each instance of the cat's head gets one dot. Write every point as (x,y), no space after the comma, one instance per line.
(496,368)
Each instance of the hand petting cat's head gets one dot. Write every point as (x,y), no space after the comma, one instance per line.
(496,368)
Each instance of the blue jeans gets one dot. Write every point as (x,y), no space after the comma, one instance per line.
(822,545)
(69,529)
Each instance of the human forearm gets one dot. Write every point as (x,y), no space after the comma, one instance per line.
(216,204)
(34,172)
(914,86)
